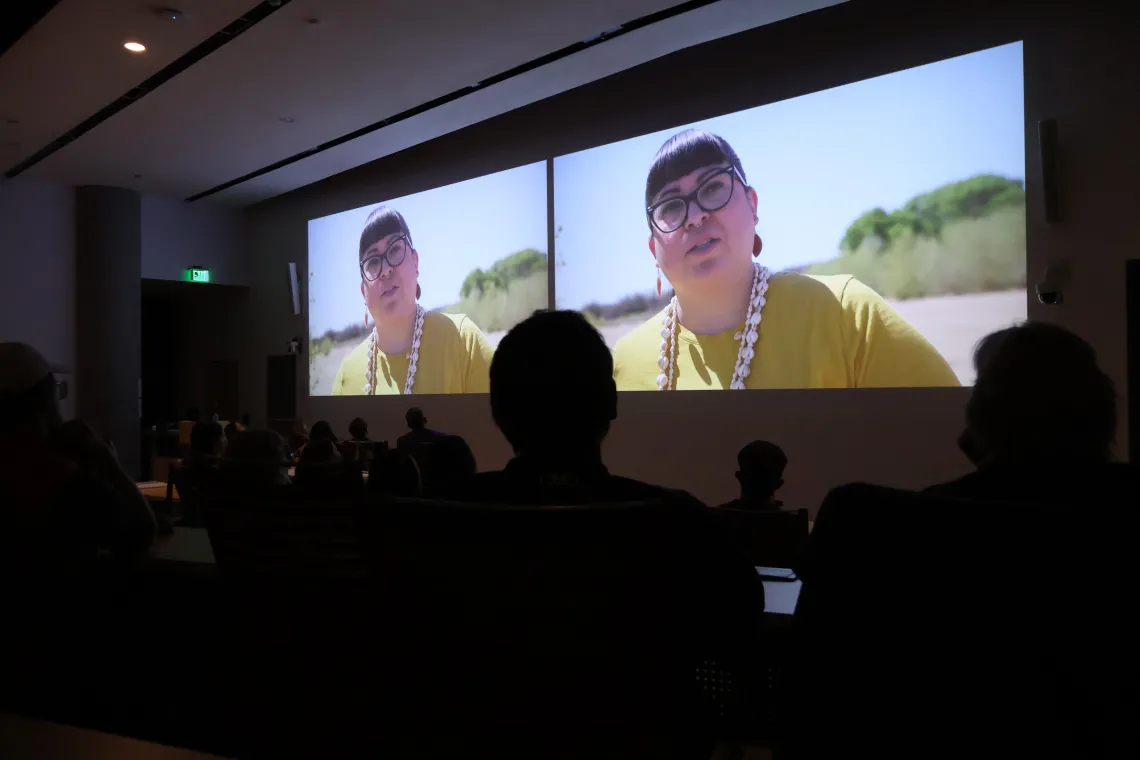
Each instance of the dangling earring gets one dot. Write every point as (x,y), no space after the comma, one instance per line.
(757,245)
(658,280)
(365,315)
(417,291)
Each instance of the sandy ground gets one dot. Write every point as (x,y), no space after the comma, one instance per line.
(954,324)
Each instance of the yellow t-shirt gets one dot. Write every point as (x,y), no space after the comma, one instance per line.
(455,357)
(815,332)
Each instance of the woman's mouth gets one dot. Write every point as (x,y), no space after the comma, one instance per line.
(704,246)
(389,291)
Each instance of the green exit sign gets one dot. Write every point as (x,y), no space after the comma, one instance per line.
(197,274)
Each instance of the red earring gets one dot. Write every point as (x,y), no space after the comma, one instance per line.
(365,318)
(757,245)
(658,282)
(417,291)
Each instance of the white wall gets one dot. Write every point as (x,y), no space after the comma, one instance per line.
(177,235)
(37,283)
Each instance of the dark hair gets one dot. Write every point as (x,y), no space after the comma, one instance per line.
(358,429)
(686,152)
(762,462)
(322,431)
(231,430)
(449,459)
(381,223)
(1040,395)
(552,383)
(20,408)
(415,418)
(204,436)
(322,451)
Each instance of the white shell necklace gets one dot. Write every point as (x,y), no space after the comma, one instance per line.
(747,337)
(413,357)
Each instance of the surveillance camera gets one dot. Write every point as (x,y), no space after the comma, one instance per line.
(1049,294)
(1051,290)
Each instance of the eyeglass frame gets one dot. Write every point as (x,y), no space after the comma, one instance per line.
(384,257)
(689,198)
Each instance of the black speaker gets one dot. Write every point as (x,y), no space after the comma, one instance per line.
(281,387)
(1132,303)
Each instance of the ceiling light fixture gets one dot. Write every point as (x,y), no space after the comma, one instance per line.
(286,119)
(135,47)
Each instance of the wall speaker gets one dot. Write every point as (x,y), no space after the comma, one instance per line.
(1047,144)
(1132,338)
(295,288)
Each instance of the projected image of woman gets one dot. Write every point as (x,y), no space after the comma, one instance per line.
(731,323)
(409,349)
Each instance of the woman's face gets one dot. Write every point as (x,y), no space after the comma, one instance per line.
(710,247)
(393,292)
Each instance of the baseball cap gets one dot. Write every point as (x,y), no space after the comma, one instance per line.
(21,368)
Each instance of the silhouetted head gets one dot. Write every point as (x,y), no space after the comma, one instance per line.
(231,430)
(1039,396)
(358,429)
(760,470)
(394,473)
(29,395)
(207,439)
(257,457)
(322,431)
(552,386)
(415,418)
(449,460)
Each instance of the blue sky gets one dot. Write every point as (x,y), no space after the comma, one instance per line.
(455,228)
(817,163)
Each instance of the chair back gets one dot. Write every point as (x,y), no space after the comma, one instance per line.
(769,538)
(302,626)
(285,533)
(978,623)
(529,616)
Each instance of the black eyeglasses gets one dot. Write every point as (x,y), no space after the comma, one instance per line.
(371,267)
(711,195)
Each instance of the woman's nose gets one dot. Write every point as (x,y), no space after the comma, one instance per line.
(697,215)
(385,269)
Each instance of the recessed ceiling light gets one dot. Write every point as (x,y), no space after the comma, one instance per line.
(136,176)
(135,47)
(286,119)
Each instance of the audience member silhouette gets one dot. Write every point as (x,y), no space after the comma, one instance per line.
(299,437)
(760,472)
(419,437)
(63,493)
(450,463)
(556,426)
(358,429)
(1040,422)
(231,431)
(207,442)
(256,458)
(322,431)
(394,473)
(321,463)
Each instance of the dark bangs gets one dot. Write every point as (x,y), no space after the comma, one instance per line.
(686,152)
(382,222)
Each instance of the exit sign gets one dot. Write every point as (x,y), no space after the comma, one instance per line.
(198,274)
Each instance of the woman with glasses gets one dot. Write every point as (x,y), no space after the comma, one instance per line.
(732,323)
(409,349)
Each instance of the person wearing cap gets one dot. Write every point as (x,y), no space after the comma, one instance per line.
(63,493)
